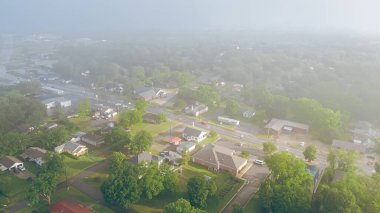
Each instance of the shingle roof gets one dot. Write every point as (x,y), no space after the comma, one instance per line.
(218,155)
(34,153)
(93,137)
(8,161)
(192,132)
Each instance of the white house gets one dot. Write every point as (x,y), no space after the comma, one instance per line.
(185,147)
(34,154)
(195,135)
(248,114)
(9,163)
(71,148)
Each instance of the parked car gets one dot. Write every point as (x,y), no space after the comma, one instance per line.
(258,162)
(21,168)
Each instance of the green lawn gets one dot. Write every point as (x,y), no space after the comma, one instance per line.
(253,206)
(74,166)
(14,188)
(227,187)
(153,129)
(96,180)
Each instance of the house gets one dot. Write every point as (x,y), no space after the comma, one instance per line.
(93,139)
(66,207)
(185,147)
(77,136)
(230,121)
(171,157)
(196,109)
(219,158)
(149,94)
(175,140)
(146,158)
(277,126)
(72,148)
(191,134)
(34,154)
(9,163)
(349,146)
(364,132)
(151,118)
(248,114)
(61,102)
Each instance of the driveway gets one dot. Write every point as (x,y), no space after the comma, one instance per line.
(254,176)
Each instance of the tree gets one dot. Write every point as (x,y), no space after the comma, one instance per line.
(84,108)
(130,117)
(232,109)
(310,153)
(141,105)
(152,180)
(244,154)
(287,190)
(213,133)
(124,188)
(170,177)
(185,158)
(117,163)
(142,141)
(342,160)
(269,147)
(181,206)
(119,137)
(47,179)
(162,117)
(199,189)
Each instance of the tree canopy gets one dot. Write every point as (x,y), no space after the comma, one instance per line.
(310,153)
(199,189)
(141,142)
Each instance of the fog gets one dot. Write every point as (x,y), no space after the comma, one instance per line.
(108,17)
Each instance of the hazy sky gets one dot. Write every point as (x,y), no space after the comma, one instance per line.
(113,16)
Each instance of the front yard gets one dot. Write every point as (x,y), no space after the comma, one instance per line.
(74,166)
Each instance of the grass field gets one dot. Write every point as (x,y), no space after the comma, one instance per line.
(74,166)
(153,129)
(13,188)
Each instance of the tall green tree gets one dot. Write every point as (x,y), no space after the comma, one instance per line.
(233,109)
(141,105)
(181,206)
(199,189)
(141,142)
(287,190)
(342,160)
(118,136)
(269,147)
(123,188)
(310,153)
(130,117)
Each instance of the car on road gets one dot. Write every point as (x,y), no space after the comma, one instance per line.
(204,122)
(258,162)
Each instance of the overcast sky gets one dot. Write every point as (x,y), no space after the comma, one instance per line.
(115,16)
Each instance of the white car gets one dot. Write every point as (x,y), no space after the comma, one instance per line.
(259,162)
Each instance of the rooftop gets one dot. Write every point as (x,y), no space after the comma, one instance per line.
(8,161)
(34,152)
(278,124)
(192,132)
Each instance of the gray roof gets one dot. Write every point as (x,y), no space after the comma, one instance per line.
(277,124)
(192,132)
(93,137)
(145,157)
(186,145)
(9,161)
(218,155)
(34,153)
(72,147)
(349,146)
